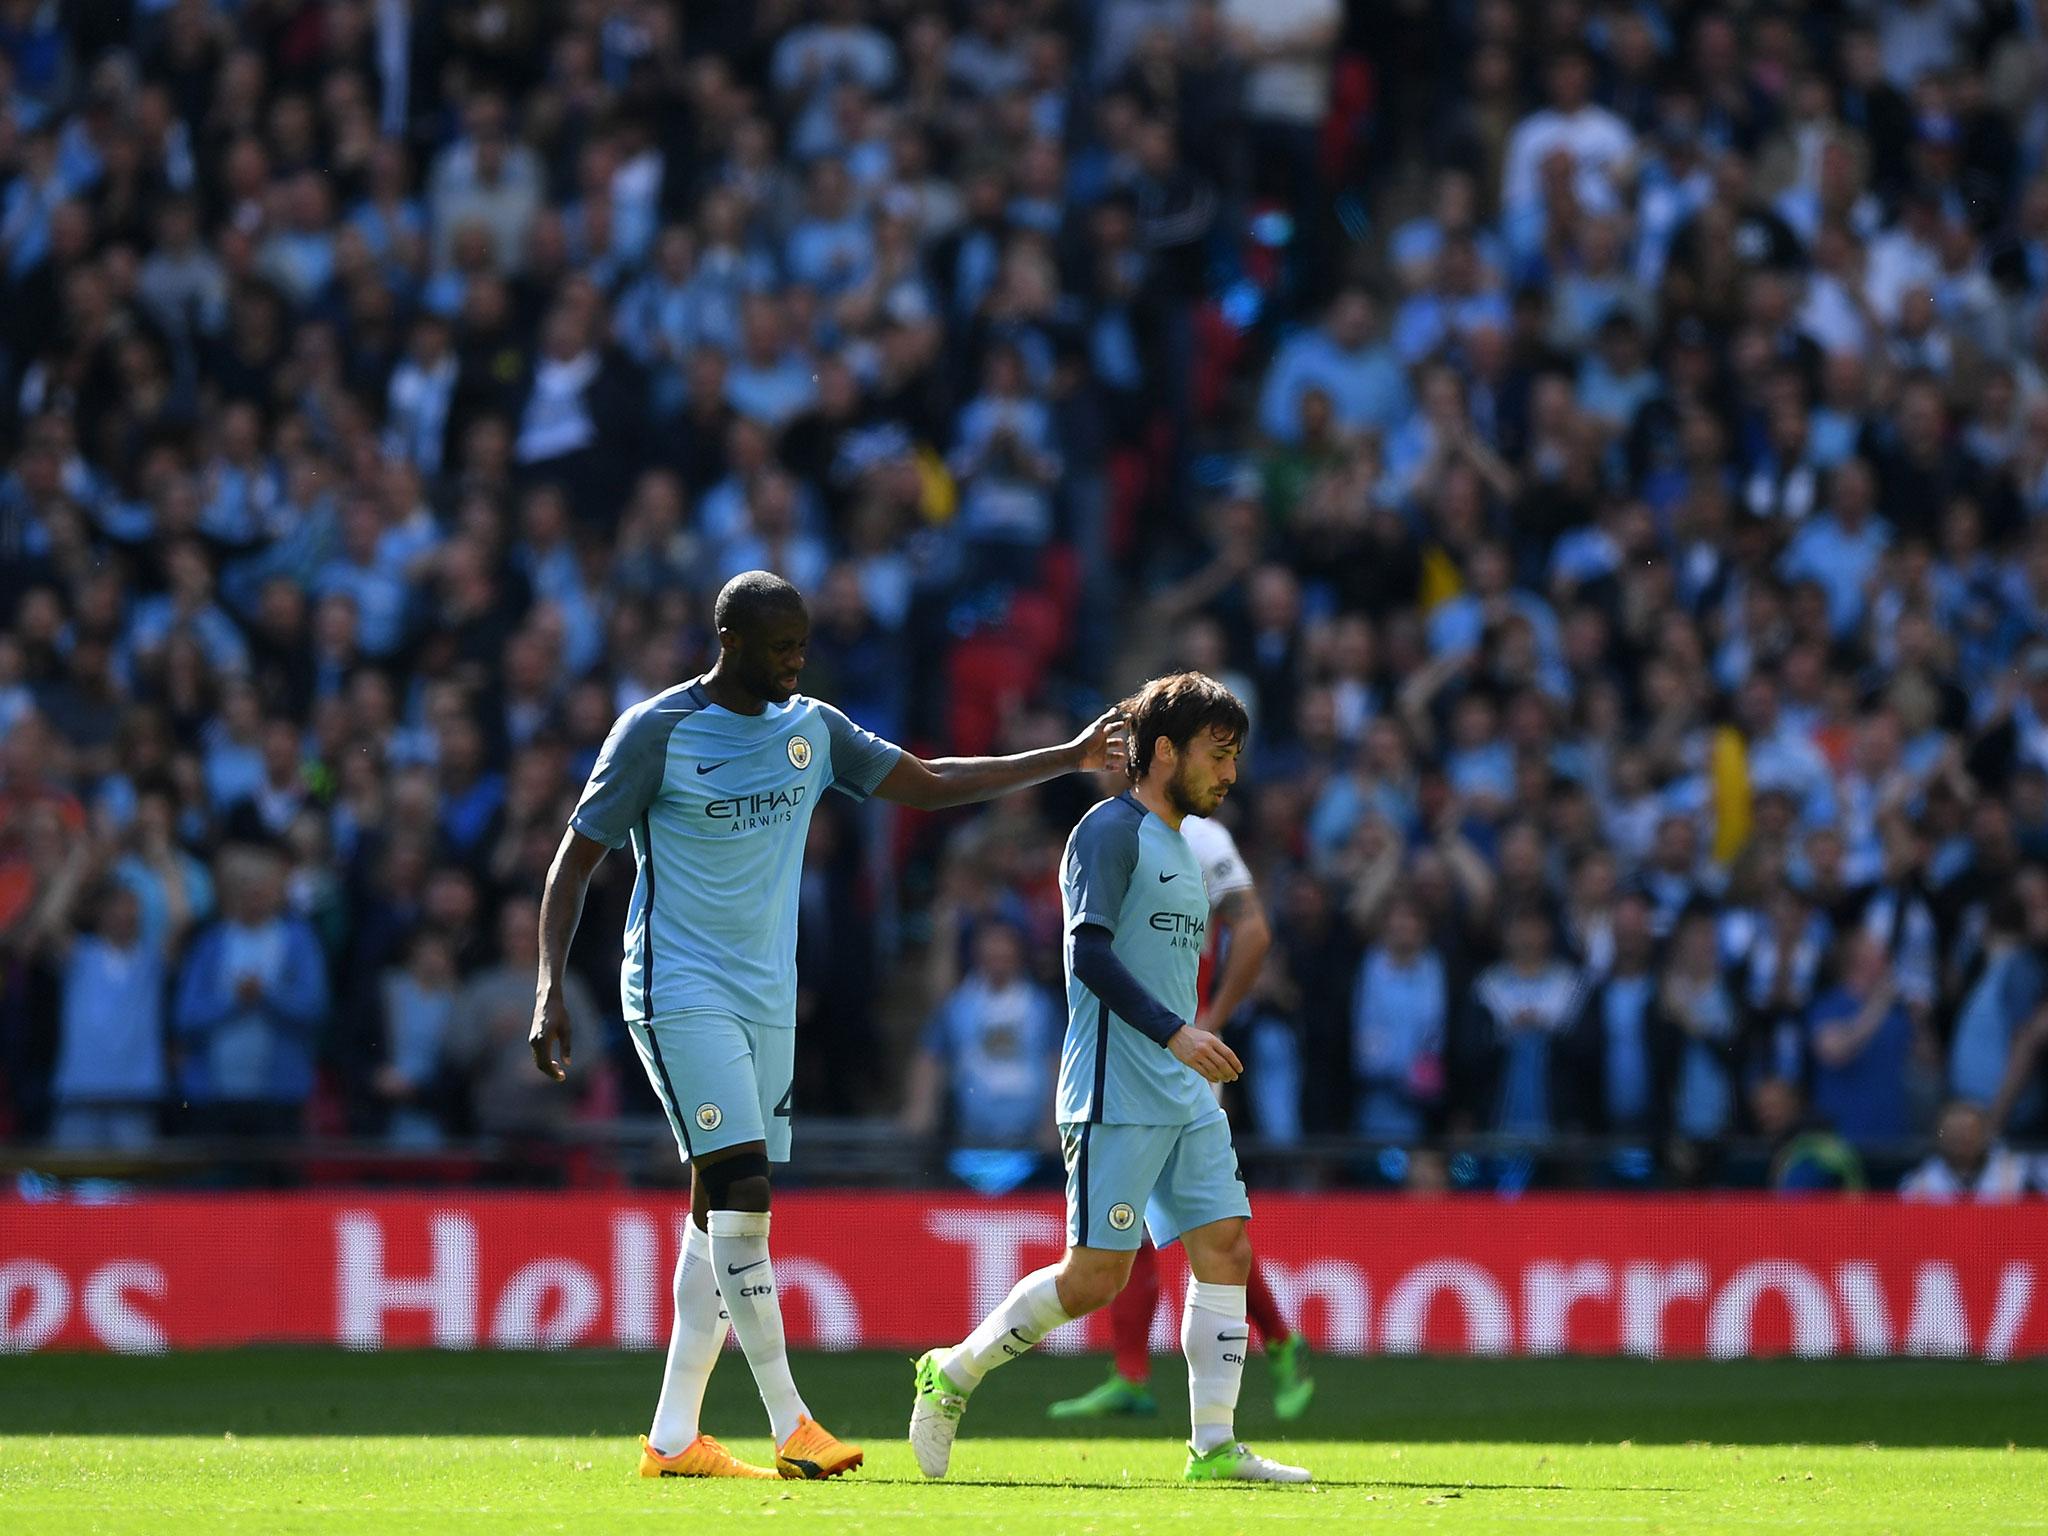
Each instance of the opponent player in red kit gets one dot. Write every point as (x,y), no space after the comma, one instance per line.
(1235,905)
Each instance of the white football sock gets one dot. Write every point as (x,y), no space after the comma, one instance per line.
(694,1340)
(1027,1314)
(739,1248)
(1214,1336)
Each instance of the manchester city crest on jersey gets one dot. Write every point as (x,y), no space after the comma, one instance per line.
(1121,1216)
(708,1117)
(799,753)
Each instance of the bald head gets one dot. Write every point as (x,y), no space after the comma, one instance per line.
(752,597)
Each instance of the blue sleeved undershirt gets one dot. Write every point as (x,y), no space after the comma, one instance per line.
(1098,969)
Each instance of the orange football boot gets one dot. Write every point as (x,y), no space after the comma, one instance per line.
(814,1451)
(702,1457)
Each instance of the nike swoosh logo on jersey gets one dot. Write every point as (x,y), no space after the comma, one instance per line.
(1163,878)
(704,768)
(741,1269)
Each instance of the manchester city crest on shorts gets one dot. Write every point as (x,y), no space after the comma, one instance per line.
(799,753)
(708,1117)
(1121,1216)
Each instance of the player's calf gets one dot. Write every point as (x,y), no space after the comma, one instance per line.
(736,1184)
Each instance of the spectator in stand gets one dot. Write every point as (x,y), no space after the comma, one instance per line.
(1595,148)
(251,1000)
(419,1003)
(990,1053)
(1969,1164)
(487,180)
(1614,1078)
(1520,1008)
(1400,1017)
(1863,1042)
(1360,377)
(112,1076)
(1285,50)
(483,1052)
(1701,1034)
(173,889)
(1006,463)
(2010,985)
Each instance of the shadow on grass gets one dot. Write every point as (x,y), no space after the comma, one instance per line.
(867,1396)
(1449,1490)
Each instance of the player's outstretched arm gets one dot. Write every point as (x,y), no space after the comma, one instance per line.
(561,906)
(934,784)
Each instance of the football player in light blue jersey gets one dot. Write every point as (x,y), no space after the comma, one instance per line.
(713,783)
(1144,1136)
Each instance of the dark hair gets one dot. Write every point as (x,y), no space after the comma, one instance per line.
(1179,707)
(751,597)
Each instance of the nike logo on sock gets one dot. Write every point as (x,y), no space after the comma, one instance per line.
(1165,877)
(741,1269)
(704,768)
(1020,1338)
(1232,1338)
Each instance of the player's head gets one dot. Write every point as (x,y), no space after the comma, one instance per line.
(1186,732)
(764,629)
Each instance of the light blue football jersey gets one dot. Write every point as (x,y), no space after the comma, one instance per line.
(717,807)
(1129,872)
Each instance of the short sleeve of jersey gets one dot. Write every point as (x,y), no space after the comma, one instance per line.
(1100,857)
(860,758)
(1223,867)
(626,777)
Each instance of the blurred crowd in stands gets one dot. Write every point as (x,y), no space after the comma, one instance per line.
(1606,445)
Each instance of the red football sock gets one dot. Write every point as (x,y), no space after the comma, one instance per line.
(1130,1316)
(1263,1307)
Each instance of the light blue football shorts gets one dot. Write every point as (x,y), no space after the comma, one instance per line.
(1180,1176)
(723,1081)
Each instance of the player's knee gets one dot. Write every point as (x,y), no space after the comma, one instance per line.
(1085,1293)
(1221,1252)
(736,1183)
(1089,1284)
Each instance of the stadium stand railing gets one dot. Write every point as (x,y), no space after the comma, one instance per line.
(635,1152)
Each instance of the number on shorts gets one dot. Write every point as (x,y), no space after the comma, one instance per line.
(782,1104)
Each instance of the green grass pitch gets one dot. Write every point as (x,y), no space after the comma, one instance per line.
(282,1442)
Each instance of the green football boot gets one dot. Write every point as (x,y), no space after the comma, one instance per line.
(1115,1397)
(935,1416)
(1239,1463)
(1292,1384)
